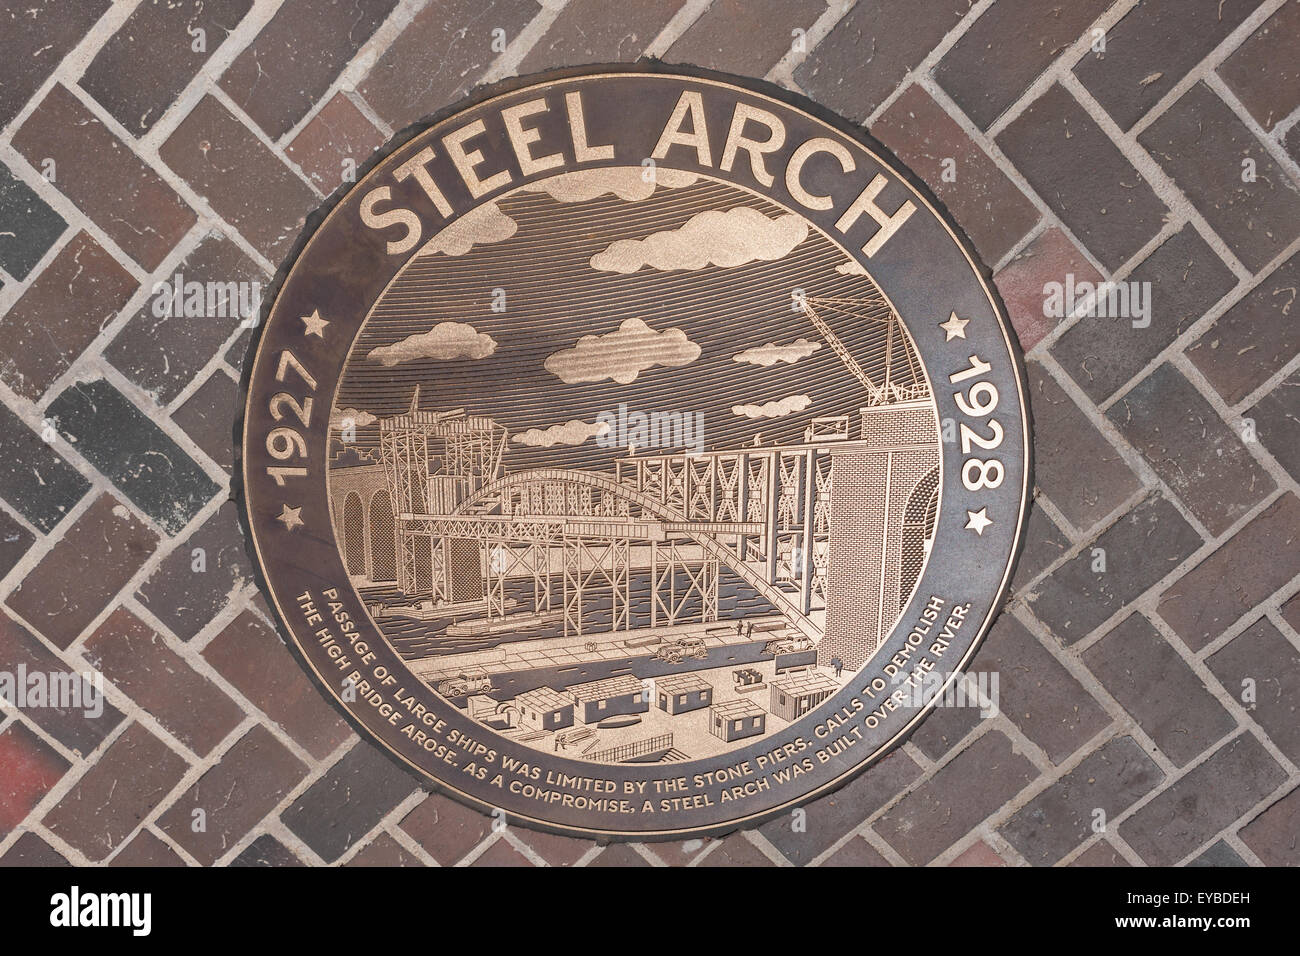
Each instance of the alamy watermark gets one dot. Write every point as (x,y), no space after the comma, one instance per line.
(207,300)
(59,690)
(631,429)
(1100,300)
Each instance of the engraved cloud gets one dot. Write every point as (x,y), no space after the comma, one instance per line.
(622,355)
(629,183)
(445,341)
(720,238)
(480,226)
(786,406)
(573,432)
(771,353)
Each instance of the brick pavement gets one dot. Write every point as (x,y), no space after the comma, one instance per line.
(1150,654)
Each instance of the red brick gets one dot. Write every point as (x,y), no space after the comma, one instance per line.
(984,74)
(31,769)
(246,784)
(446,829)
(502,853)
(139,662)
(736,851)
(80,574)
(1264,72)
(1247,568)
(979,854)
(407,84)
(63,311)
(1277,423)
(38,34)
(619,855)
(384,851)
(1262,655)
(293,61)
(145,849)
(1274,835)
(1101,853)
(744,36)
(857,852)
(247,184)
(116,793)
(338,132)
(986,204)
(29,850)
(1049,257)
(252,657)
(585,33)
(1201,144)
(207,414)
(111,185)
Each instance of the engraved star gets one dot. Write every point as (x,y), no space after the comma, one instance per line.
(314,324)
(290,517)
(977,521)
(954,328)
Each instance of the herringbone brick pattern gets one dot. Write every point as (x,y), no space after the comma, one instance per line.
(1149,658)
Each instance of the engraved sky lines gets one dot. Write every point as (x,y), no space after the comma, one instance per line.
(554,296)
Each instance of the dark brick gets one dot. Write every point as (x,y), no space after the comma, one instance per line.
(38,34)
(247,184)
(1075,465)
(555,849)
(1201,459)
(1264,72)
(744,36)
(1045,543)
(31,769)
(406,84)
(1050,257)
(163,353)
(1220,854)
(1152,683)
(1187,278)
(1274,835)
(345,804)
(736,851)
(979,854)
(293,61)
(1100,854)
(123,443)
(28,226)
(186,599)
(146,64)
(110,184)
(984,77)
(1262,655)
(1153,47)
(36,481)
(29,850)
(1277,423)
(826,820)
(989,207)
(501,853)
(116,793)
(138,661)
(1250,342)
(1083,177)
(235,355)
(252,657)
(1062,816)
(75,581)
(207,415)
(246,784)
(146,850)
(14,542)
(73,727)
(1140,549)
(61,313)
(944,729)
(1208,798)
(956,799)
(680,852)
(338,132)
(619,855)
(384,851)
(266,850)
(1036,692)
(585,33)
(1202,144)
(857,852)
(447,830)
(1290,612)
(868,53)
(1247,568)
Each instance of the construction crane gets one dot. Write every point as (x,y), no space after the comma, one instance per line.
(871,310)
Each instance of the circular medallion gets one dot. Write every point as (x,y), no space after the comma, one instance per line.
(636,451)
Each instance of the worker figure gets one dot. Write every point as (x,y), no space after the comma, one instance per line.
(749,629)
(838,665)
(740,628)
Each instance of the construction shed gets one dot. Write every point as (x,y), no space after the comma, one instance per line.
(796,694)
(681,693)
(598,699)
(737,719)
(544,709)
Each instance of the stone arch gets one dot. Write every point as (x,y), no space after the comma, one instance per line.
(918,532)
(383,538)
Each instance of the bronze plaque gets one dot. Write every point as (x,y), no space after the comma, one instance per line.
(636,451)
